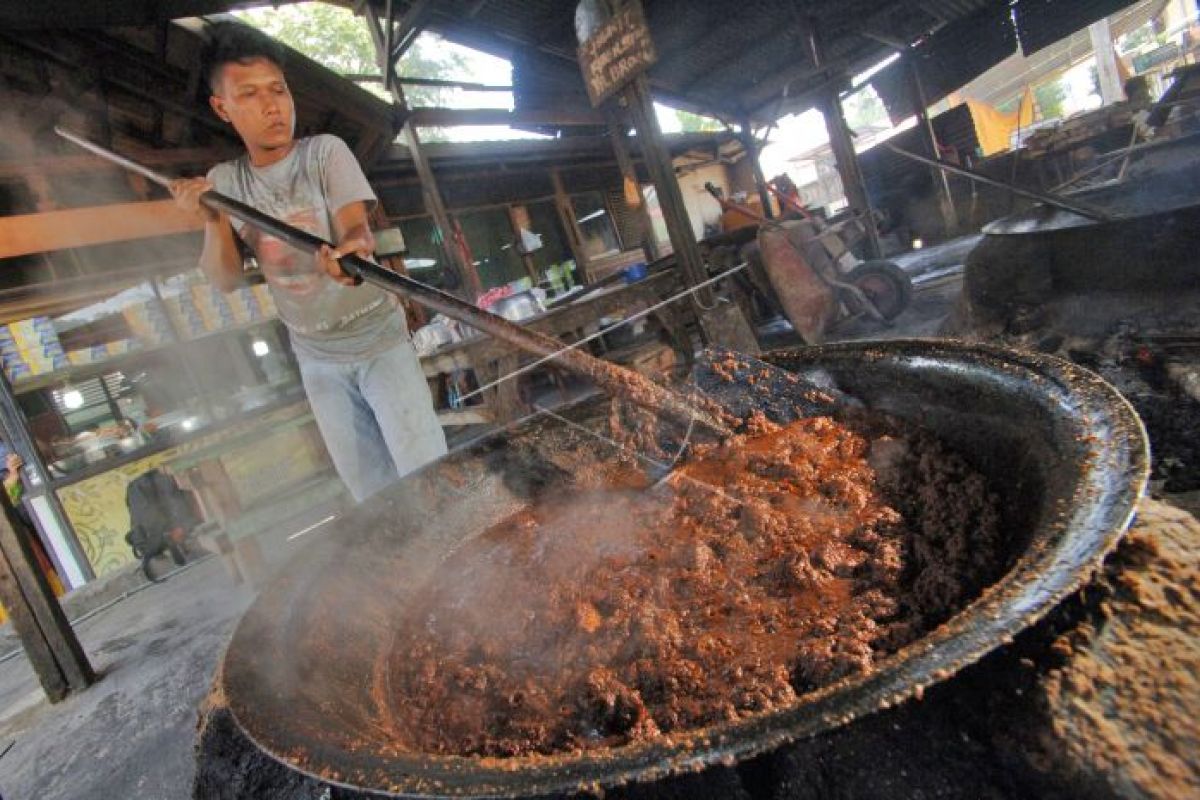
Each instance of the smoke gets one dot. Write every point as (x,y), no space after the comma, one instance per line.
(54,264)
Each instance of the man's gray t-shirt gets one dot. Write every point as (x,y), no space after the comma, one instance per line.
(318,177)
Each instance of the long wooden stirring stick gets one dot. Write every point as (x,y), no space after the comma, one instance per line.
(611,378)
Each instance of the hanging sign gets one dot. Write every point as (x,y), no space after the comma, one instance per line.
(616,53)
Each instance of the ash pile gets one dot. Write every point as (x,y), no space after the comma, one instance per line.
(1147,346)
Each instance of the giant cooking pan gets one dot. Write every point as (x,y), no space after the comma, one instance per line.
(1065,451)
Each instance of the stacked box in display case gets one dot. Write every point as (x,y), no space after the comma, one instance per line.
(147,322)
(99,353)
(30,347)
(184,314)
(244,306)
(266,302)
(201,309)
(215,313)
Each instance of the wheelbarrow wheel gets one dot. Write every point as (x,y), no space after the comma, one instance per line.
(885,285)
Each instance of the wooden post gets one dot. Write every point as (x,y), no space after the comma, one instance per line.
(430,193)
(1108,75)
(760,180)
(51,644)
(632,186)
(848,167)
(73,565)
(662,173)
(437,210)
(414,313)
(722,322)
(566,216)
(518,219)
(941,179)
(37,649)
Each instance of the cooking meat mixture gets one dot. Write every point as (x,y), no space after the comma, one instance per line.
(768,566)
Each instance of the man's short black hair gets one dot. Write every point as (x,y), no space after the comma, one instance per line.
(233,42)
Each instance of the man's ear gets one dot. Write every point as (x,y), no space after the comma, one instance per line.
(218,107)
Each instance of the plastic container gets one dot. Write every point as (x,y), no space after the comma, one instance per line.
(636,272)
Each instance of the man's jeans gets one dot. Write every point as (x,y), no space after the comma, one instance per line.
(376,417)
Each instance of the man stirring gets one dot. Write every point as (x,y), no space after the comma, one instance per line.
(359,369)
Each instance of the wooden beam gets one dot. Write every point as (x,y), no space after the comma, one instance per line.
(464,85)
(566,217)
(465,271)
(25,234)
(617,128)
(850,170)
(670,198)
(451,117)
(409,28)
(760,180)
(25,168)
(940,177)
(37,649)
(106,14)
(518,218)
(413,312)
(436,207)
(53,301)
(389,33)
(439,83)
(69,660)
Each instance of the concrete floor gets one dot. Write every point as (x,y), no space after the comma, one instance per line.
(131,735)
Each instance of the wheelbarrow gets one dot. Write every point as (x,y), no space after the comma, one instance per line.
(806,266)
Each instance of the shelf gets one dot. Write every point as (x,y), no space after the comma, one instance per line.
(295,398)
(83,371)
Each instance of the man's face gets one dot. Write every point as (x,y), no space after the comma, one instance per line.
(254,97)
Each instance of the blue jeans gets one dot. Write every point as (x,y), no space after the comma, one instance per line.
(376,417)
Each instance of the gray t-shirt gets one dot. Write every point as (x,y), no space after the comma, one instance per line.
(327,321)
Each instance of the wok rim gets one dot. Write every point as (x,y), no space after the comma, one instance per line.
(993,619)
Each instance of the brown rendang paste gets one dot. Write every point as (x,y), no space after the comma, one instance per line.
(768,566)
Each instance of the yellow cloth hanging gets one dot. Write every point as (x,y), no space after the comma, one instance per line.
(995,129)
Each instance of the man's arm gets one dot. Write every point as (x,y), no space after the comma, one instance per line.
(353,233)
(221,259)
(350,197)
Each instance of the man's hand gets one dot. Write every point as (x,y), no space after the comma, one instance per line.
(187,191)
(328,257)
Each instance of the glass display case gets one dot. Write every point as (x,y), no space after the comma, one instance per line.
(84,417)
(146,370)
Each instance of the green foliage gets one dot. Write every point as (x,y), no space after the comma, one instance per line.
(865,110)
(697,123)
(335,38)
(1010,106)
(1050,97)
(1144,35)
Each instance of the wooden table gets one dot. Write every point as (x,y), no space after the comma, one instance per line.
(489,358)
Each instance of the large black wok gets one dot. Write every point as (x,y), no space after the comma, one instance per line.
(1064,450)
(1036,256)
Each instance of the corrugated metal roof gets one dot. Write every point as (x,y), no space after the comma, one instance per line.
(1041,23)
(1002,84)
(731,58)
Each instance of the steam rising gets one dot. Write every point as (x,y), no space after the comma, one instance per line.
(49,176)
